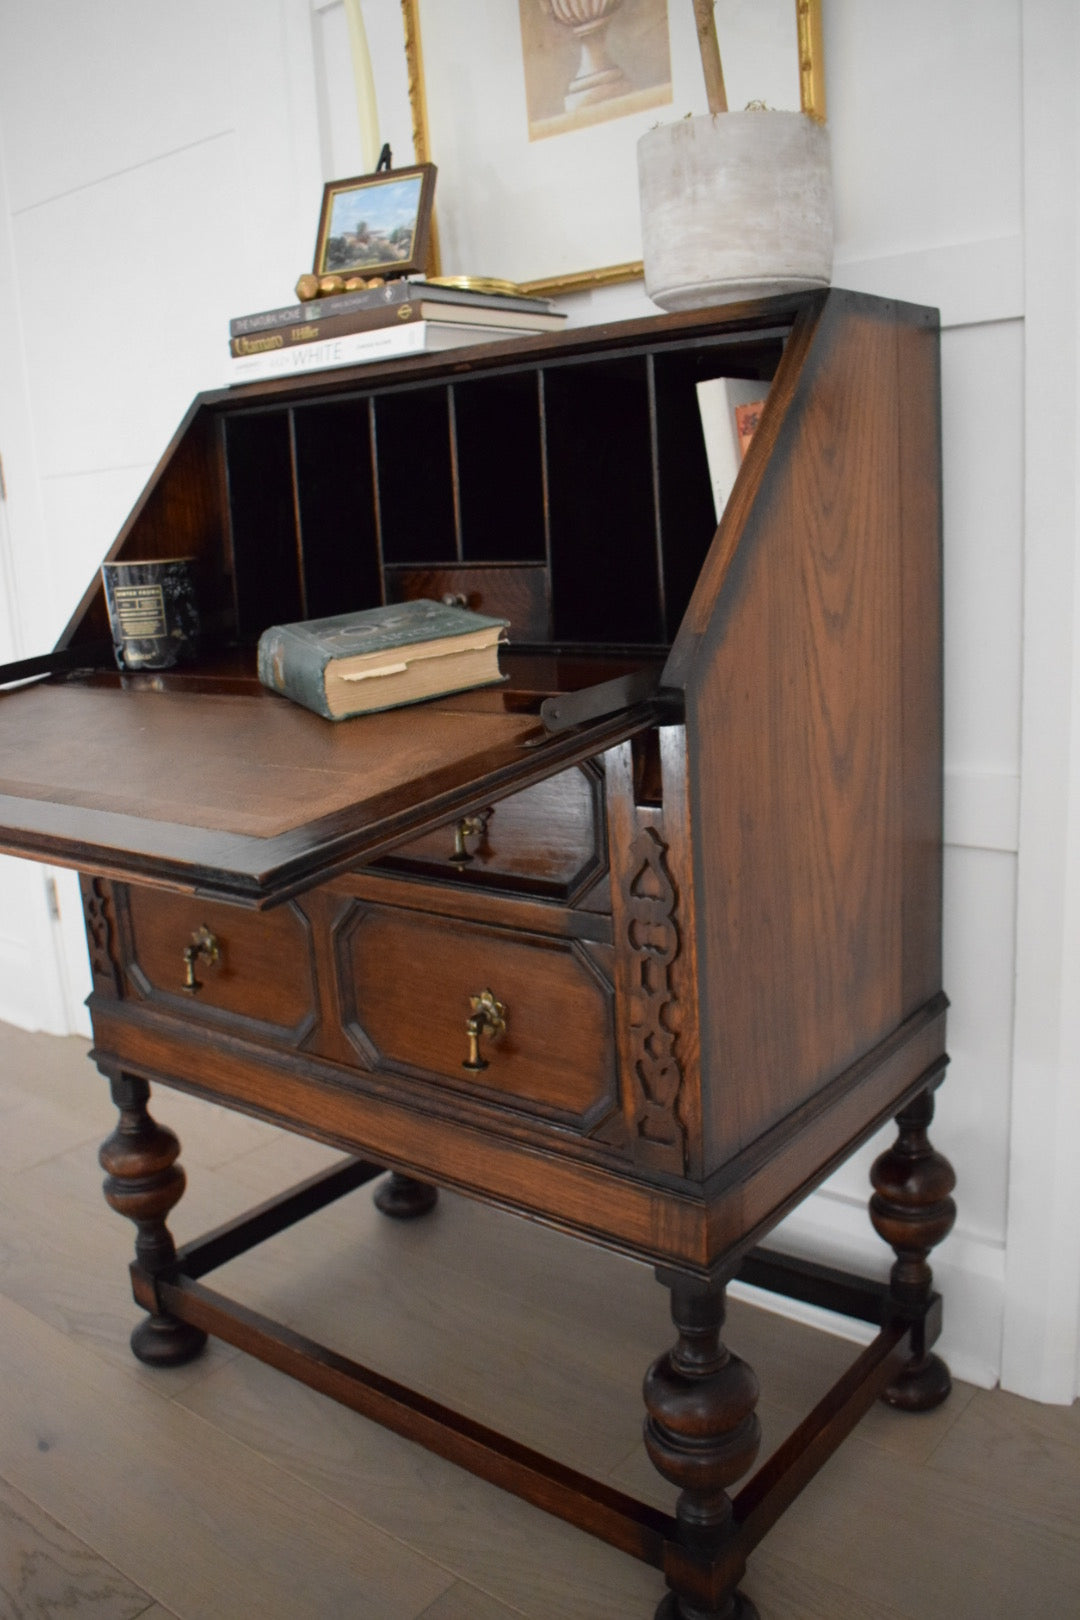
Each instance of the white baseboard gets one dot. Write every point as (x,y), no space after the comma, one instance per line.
(969,1273)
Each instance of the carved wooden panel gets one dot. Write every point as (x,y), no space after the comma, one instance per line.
(101,934)
(652,936)
(652,914)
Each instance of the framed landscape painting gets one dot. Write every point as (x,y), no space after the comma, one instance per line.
(375,224)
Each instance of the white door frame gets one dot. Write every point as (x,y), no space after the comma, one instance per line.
(46,975)
(1042,1278)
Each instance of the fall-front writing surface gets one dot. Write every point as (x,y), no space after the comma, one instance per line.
(208,781)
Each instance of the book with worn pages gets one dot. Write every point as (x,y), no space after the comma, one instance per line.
(379,658)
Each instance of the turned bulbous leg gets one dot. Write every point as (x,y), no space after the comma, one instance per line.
(404,1198)
(143,1182)
(913,1211)
(702,1433)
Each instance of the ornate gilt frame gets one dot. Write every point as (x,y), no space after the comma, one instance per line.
(424,175)
(811,97)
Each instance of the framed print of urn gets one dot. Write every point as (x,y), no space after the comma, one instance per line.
(738,204)
(599,77)
(535,110)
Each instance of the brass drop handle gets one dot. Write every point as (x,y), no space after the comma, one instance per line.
(204,944)
(455,599)
(487,1017)
(474,826)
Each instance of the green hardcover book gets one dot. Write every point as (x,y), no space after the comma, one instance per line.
(379,658)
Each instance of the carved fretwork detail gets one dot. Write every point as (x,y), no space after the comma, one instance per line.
(651,905)
(101,932)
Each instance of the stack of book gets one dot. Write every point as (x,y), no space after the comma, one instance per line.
(378,323)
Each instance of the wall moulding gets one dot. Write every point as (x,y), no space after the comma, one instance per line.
(982,809)
(969,1271)
(969,282)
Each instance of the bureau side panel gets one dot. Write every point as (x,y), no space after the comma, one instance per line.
(919,384)
(814,721)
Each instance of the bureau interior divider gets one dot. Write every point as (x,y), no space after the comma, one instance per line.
(579,484)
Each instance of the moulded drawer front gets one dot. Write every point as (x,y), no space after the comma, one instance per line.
(253,966)
(407,988)
(545,840)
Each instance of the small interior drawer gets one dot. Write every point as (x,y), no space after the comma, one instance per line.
(257,967)
(547,840)
(409,985)
(518,593)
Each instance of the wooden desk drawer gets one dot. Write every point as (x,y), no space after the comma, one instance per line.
(516,593)
(407,983)
(263,974)
(547,840)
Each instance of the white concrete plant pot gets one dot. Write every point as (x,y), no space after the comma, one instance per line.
(735,205)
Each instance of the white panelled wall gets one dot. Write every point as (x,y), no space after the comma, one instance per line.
(157,165)
(1042,1280)
(175,179)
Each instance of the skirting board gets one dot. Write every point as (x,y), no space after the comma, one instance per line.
(969,1273)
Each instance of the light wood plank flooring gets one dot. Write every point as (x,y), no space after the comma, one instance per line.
(223,1491)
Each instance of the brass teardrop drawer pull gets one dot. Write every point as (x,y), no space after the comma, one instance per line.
(474,826)
(204,944)
(487,1017)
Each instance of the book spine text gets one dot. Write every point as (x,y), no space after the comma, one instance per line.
(315,330)
(354,347)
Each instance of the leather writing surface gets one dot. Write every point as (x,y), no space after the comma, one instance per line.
(236,763)
(233,790)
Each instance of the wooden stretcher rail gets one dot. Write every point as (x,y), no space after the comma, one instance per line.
(631,1526)
(624,1522)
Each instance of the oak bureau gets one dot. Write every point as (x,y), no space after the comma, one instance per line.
(641,944)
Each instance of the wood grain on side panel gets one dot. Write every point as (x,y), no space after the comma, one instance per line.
(795,705)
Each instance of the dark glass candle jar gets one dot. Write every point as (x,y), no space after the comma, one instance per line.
(153,612)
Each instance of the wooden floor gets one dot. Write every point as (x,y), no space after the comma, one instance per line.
(223,1491)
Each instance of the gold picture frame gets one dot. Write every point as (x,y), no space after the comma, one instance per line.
(807,43)
(395,207)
